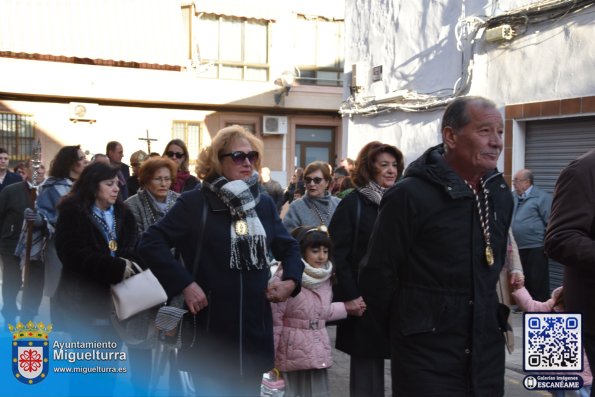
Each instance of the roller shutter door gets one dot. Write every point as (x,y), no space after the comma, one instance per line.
(549,146)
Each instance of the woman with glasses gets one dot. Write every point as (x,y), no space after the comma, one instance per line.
(317,206)
(177,151)
(226,285)
(377,167)
(152,201)
(154,197)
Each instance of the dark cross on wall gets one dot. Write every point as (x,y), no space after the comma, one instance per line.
(149,140)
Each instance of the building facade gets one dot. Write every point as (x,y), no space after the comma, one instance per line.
(90,72)
(406,60)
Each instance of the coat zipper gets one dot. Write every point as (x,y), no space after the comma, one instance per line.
(241,344)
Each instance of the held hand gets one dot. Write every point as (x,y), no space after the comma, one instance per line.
(517,280)
(280,291)
(32,216)
(195,298)
(356,307)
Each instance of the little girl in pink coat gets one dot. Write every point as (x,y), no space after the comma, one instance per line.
(302,345)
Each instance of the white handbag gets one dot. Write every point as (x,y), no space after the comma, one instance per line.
(139,292)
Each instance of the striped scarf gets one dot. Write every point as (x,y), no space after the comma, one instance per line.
(373,191)
(241,197)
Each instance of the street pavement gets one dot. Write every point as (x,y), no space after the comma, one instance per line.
(513,377)
(339,372)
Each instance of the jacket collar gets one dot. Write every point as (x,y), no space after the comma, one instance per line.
(432,167)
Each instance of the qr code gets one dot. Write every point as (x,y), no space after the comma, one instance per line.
(552,342)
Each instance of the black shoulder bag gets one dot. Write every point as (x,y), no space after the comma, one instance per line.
(175,315)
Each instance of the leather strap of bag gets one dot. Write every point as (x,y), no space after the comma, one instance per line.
(358,215)
(201,229)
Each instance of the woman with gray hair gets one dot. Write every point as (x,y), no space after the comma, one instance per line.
(317,206)
(226,285)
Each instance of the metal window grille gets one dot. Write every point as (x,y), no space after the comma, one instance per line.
(190,133)
(17,135)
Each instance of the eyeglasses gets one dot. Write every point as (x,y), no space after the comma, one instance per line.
(172,154)
(81,158)
(309,180)
(162,179)
(240,157)
(519,180)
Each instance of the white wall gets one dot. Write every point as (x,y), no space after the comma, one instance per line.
(416,45)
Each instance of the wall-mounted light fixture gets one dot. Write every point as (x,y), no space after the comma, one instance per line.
(285,82)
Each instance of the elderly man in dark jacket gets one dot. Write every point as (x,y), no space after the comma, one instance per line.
(437,249)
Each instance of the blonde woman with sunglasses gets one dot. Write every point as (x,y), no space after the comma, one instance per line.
(226,286)
(317,206)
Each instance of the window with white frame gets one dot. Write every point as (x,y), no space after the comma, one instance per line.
(237,48)
(190,133)
(319,51)
(17,135)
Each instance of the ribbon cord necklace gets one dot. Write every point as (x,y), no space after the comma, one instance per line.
(484,219)
(315,209)
(109,233)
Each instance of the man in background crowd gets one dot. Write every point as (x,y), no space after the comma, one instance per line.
(14,200)
(272,187)
(136,159)
(6,177)
(529,220)
(115,152)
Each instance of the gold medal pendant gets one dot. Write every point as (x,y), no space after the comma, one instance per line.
(241,227)
(113,245)
(489,255)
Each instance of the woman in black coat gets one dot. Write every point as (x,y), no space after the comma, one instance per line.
(378,166)
(94,231)
(228,291)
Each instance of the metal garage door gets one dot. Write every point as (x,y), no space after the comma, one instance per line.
(549,146)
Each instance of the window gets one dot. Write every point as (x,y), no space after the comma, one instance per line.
(319,49)
(17,135)
(190,133)
(312,144)
(237,47)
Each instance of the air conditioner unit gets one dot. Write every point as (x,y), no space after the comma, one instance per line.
(274,125)
(79,111)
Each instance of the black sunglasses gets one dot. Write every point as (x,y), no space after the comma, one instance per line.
(309,180)
(240,157)
(171,154)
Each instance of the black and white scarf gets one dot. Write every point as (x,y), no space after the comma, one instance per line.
(373,191)
(241,197)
